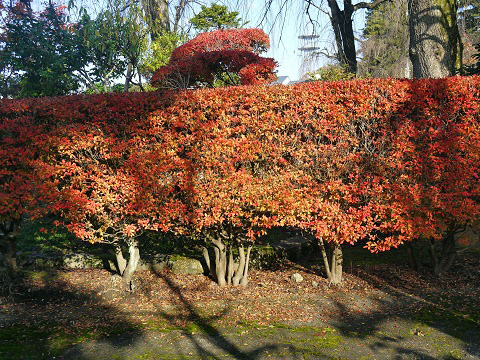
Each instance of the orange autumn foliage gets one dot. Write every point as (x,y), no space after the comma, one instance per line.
(384,160)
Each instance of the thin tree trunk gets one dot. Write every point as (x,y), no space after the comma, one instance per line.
(333,261)
(10,233)
(241,265)
(220,261)
(11,256)
(132,264)
(206,256)
(128,77)
(121,263)
(449,252)
(443,263)
(244,280)
(140,81)
(230,265)
(325,257)
(413,260)
(433,256)
(104,80)
(337,264)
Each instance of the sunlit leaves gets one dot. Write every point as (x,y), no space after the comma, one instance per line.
(385,161)
(222,56)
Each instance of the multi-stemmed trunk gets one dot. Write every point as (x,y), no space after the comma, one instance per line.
(224,269)
(333,260)
(440,261)
(127,268)
(443,262)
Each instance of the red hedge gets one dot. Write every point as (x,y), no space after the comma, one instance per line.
(386,160)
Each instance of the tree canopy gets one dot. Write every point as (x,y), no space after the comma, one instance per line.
(384,50)
(221,57)
(216,17)
(40,53)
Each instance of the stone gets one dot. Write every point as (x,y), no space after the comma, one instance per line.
(293,247)
(296,278)
(187,267)
(155,263)
(81,261)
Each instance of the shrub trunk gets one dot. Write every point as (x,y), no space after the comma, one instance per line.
(224,269)
(127,268)
(333,260)
(443,261)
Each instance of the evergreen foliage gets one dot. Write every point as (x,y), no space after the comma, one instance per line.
(385,46)
(40,54)
(216,17)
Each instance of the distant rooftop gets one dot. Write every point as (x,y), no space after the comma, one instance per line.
(285,80)
(282,80)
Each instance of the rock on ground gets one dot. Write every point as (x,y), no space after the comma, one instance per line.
(187,267)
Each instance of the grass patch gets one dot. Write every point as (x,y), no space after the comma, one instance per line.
(21,342)
(454,322)
(306,337)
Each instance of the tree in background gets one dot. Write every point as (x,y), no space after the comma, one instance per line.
(474,69)
(385,48)
(341,19)
(217,58)
(216,17)
(40,53)
(468,20)
(385,45)
(101,38)
(115,42)
(159,52)
(330,73)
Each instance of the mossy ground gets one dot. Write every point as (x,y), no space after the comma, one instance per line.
(382,310)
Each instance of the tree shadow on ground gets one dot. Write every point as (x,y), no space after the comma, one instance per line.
(44,314)
(408,314)
(433,303)
(211,341)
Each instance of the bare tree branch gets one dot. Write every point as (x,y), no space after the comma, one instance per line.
(365,5)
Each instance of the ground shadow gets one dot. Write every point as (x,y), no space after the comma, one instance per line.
(43,315)
(211,341)
(404,313)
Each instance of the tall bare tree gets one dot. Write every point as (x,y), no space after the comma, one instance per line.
(341,13)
